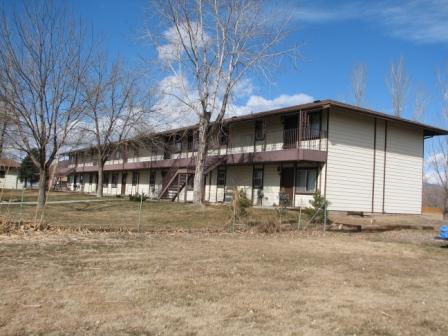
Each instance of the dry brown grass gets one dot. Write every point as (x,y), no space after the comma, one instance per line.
(391,283)
(121,214)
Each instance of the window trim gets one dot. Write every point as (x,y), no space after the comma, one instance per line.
(307,169)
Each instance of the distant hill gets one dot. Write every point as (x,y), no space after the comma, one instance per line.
(433,195)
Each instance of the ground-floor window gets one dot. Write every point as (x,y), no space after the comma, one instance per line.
(2,173)
(257,178)
(135,178)
(221,178)
(91,178)
(114,180)
(306,180)
(152,179)
(106,180)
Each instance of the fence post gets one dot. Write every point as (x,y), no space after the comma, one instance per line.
(140,212)
(325,217)
(300,216)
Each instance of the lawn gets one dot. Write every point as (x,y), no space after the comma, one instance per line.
(391,283)
(121,214)
(14,195)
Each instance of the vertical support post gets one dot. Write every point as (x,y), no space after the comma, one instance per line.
(300,217)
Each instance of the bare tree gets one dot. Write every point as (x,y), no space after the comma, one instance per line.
(398,83)
(210,46)
(438,160)
(115,111)
(420,104)
(42,61)
(359,83)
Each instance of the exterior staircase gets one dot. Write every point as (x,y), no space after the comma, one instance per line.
(177,178)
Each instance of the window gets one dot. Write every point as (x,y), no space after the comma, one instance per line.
(259,129)
(106,180)
(257,179)
(114,180)
(314,125)
(90,178)
(2,173)
(306,180)
(224,136)
(190,143)
(221,179)
(81,179)
(135,178)
(152,179)
(177,144)
(190,182)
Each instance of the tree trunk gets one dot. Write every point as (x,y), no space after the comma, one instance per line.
(42,188)
(198,186)
(99,183)
(2,137)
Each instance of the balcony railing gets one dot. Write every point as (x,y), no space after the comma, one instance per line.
(312,139)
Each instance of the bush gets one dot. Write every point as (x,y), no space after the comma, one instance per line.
(138,197)
(239,206)
(318,204)
(269,225)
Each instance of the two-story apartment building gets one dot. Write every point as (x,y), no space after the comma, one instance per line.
(361,160)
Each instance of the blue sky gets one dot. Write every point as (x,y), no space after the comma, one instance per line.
(335,36)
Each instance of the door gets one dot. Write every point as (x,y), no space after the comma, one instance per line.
(287,183)
(124,178)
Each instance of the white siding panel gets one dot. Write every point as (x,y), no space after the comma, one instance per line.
(404,160)
(379,166)
(350,162)
(240,177)
(271,185)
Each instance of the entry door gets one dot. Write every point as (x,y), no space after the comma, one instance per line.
(287,183)
(124,178)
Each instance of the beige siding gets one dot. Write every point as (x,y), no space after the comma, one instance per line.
(350,162)
(404,160)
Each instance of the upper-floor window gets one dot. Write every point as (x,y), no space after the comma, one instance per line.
(224,135)
(306,180)
(314,125)
(260,129)
(178,144)
(190,142)
(135,178)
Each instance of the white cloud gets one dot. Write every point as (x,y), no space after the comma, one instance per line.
(259,104)
(421,21)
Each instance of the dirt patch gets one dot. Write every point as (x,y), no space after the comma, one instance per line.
(390,283)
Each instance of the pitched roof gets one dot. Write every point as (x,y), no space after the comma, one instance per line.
(428,130)
(8,163)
